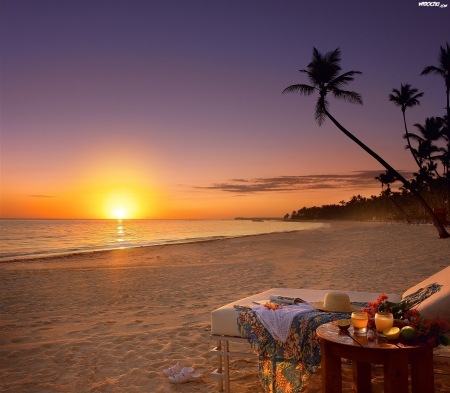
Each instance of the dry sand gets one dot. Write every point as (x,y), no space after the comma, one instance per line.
(112,321)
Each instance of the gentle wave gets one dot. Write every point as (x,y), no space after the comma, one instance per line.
(20,239)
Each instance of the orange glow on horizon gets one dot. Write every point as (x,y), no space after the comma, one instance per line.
(137,196)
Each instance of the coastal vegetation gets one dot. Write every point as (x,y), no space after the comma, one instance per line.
(431,186)
(395,206)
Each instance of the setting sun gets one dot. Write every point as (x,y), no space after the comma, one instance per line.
(122,203)
(119,214)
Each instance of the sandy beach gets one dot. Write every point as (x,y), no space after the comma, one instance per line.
(111,321)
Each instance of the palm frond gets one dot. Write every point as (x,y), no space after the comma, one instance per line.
(305,90)
(319,115)
(333,58)
(433,70)
(395,98)
(343,79)
(414,137)
(349,96)
(414,100)
(444,58)
(324,68)
(317,56)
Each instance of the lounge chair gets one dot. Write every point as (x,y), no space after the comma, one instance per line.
(224,328)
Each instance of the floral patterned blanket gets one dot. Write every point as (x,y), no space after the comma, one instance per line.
(285,367)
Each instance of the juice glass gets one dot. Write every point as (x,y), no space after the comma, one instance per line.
(383,320)
(359,321)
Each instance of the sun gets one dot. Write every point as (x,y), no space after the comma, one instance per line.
(121,204)
(119,213)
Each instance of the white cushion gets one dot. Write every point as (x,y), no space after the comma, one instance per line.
(437,306)
(224,319)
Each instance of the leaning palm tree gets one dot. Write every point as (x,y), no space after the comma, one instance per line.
(406,98)
(443,70)
(323,73)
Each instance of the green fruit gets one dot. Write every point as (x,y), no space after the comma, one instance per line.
(408,333)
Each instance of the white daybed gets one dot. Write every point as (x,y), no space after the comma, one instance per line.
(224,328)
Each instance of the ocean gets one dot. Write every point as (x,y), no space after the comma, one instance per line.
(23,239)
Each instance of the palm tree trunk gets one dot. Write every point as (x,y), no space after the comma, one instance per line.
(409,143)
(443,234)
(448,107)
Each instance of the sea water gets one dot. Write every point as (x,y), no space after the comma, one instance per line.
(20,239)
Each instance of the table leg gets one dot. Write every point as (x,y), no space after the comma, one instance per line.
(422,374)
(396,372)
(331,369)
(361,377)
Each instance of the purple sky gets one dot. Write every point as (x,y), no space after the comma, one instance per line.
(180,102)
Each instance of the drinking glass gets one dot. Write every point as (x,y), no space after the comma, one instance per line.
(359,321)
(383,320)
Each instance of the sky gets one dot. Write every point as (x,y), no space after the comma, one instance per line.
(173,109)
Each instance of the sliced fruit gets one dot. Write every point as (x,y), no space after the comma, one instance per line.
(343,324)
(392,333)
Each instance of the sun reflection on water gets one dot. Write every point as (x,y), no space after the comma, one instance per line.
(120,231)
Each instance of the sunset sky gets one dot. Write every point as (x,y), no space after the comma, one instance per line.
(173,109)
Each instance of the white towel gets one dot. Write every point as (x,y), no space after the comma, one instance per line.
(278,322)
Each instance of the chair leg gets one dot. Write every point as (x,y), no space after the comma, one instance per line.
(226,362)
(220,365)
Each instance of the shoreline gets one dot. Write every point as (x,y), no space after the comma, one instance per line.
(112,320)
(25,258)
(52,255)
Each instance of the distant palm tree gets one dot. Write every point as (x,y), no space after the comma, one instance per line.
(406,98)
(430,132)
(443,70)
(433,130)
(323,73)
(388,178)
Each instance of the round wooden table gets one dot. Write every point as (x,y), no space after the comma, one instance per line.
(364,350)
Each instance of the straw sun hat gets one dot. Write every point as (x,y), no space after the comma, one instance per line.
(336,302)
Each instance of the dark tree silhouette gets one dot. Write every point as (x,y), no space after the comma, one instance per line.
(443,70)
(430,133)
(388,178)
(406,98)
(323,73)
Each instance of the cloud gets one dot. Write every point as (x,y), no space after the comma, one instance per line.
(41,196)
(354,180)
